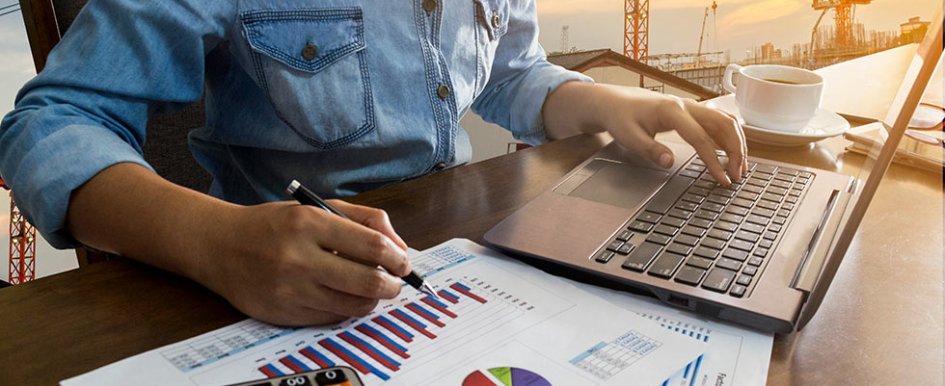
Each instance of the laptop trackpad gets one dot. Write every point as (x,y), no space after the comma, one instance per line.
(617,184)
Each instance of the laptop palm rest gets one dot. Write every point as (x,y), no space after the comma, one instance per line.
(613,183)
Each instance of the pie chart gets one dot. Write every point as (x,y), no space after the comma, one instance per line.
(505,376)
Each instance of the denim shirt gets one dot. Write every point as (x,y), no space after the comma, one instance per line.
(343,95)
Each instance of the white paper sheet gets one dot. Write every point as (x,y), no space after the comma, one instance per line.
(518,323)
(734,355)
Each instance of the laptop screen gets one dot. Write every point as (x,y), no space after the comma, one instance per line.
(879,156)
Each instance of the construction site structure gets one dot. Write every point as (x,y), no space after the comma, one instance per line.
(843,19)
(22,261)
(636,30)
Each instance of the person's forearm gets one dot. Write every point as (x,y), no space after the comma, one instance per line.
(576,107)
(128,210)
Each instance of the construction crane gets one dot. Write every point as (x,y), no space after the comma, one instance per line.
(705,18)
(22,261)
(843,18)
(636,29)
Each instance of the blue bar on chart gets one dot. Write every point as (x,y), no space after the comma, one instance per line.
(320,359)
(351,358)
(271,371)
(394,328)
(370,350)
(383,339)
(449,296)
(294,364)
(426,314)
(459,287)
(413,323)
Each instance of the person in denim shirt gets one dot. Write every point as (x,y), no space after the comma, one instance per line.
(344,95)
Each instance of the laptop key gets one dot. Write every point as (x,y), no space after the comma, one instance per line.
(701,223)
(728,264)
(693,231)
(755,261)
(744,196)
(755,228)
(652,218)
(690,173)
(680,249)
(767,205)
(625,249)
(765,243)
(713,243)
(753,189)
(641,257)
(742,202)
(774,228)
(763,212)
(614,245)
(704,214)
(732,218)
(772,197)
(699,262)
(738,291)
(665,265)
(625,236)
(713,207)
(776,190)
(666,197)
(779,220)
(666,230)
(705,184)
(750,270)
(736,210)
(791,199)
(743,245)
(784,185)
(726,226)
(674,222)
(727,192)
(718,199)
(687,240)
(771,235)
(604,257)
(679,213)
(735,254)
(693,198)
(707,253)
(641,226)
(743,280)
(761,252)
(687,206)
(718,280)
(658,239)
(690,275)
(765,168)
(756,219)
(747,236)
(719,234)
(757,182)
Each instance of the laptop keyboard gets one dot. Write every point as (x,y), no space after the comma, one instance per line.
(699,233)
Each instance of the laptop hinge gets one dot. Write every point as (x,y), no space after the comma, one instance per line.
(805,276)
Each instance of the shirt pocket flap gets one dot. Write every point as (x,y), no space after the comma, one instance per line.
(305,40)
(494,16)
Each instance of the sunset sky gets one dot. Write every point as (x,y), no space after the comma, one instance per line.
(741,24)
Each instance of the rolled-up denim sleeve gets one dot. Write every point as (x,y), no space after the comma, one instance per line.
(521,78)
(88,109)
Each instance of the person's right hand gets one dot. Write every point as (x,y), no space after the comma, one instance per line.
(290,264)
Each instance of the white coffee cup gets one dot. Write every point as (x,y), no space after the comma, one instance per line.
(775,97)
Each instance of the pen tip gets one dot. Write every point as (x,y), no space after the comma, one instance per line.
(428,289)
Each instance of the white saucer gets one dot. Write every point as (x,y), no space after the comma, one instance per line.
(825,124)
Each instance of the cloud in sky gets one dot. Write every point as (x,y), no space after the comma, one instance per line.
(762,12)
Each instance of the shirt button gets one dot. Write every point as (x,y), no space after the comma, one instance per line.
(496,22)
(439,166)
(443,91)
(429,5)
(310,51)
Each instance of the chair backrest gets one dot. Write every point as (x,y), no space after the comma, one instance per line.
(166,145)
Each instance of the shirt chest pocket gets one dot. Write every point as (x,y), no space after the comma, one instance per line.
(312,65)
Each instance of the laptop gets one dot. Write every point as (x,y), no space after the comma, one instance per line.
(761,253)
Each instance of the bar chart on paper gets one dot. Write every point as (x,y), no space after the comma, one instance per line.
(486,308)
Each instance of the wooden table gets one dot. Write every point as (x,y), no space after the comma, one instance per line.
(880,324)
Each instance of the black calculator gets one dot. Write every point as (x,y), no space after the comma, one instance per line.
(329,376)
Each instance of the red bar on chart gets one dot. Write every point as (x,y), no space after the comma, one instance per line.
(413,323)
(379,337)
(372,352)
(294,364)
(459,287)
(448,296)
(390,326)
(271,371)
(438,306)
(317,357)
(423,313)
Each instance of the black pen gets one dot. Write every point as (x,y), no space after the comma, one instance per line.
(307,197)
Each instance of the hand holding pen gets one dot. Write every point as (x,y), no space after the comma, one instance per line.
(306,197)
